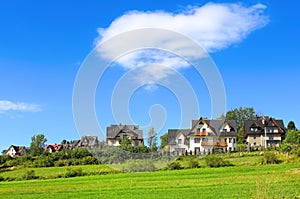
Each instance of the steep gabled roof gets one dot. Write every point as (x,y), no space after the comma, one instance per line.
(260,125)
(216,126)
(173,133)
(113,131)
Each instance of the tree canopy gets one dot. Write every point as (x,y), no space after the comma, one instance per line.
(163,140)
(37,144)
(239,115)
(292,126)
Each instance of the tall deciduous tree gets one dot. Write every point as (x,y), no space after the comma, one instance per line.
(163,141)
(152,139)
(37,144)
(239,115)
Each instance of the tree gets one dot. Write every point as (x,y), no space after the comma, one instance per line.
(239,115)
(293,138)
(292,126)
(37,144)
(163,141)
(152,139)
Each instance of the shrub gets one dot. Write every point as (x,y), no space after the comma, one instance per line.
(1,178)
(88,160)
(174,166)
(193,163)
(215,161)
(30,175)
(270,158)
(73,172)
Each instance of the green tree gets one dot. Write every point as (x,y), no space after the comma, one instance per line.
(126,143)
(293,138)
(292,126)
(37,144)
(239,115)
(152,139)
(163,141)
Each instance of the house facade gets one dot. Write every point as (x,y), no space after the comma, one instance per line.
(16,151)
(204,136)
(116,133)
(264,132)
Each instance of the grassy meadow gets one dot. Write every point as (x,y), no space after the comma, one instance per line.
(247,179)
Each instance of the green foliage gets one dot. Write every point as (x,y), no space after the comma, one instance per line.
(239,115)
(216,161)
(4,158)
(174,166)
(73,172)
(163,141)
(293,138)
(270,158)
(241,147)
(193,163)
(29,175)
(88,160)
(37,144)
(292,126)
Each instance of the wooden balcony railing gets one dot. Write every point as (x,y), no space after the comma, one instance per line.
(201,133)
(220,144)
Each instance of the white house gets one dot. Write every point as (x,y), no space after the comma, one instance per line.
(204,136)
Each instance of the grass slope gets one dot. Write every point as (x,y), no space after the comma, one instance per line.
(264,181)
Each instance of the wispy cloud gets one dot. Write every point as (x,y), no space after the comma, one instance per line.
(214,26)
(6,105)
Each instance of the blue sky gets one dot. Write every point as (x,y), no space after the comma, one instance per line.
(42,45)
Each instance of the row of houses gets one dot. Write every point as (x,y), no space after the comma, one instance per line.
(208,135)
(84,142)
(203,136)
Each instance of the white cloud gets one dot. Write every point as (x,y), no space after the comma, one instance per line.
(213,26)
(6,105)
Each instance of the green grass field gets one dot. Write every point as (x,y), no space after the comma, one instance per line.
(262,181)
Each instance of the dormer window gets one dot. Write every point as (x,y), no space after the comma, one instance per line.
(224,130)
(179,141)
(203,129)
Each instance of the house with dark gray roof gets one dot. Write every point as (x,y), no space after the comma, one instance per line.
(15,151)
(204,136)
(86,142)
(116,133)
(264,131)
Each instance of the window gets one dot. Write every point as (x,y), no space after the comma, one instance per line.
(203,129)
(254,144)
(225,140)
(198,129)
(254,136)
(136,143)
(224,130)
(124,137)
(197,140)
(233,140)
(204,139)
(179,141)
(229,140)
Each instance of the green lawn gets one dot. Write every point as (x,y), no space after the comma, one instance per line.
(264,181)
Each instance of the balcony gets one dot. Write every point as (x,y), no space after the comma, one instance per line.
(201,133)
(216,144)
